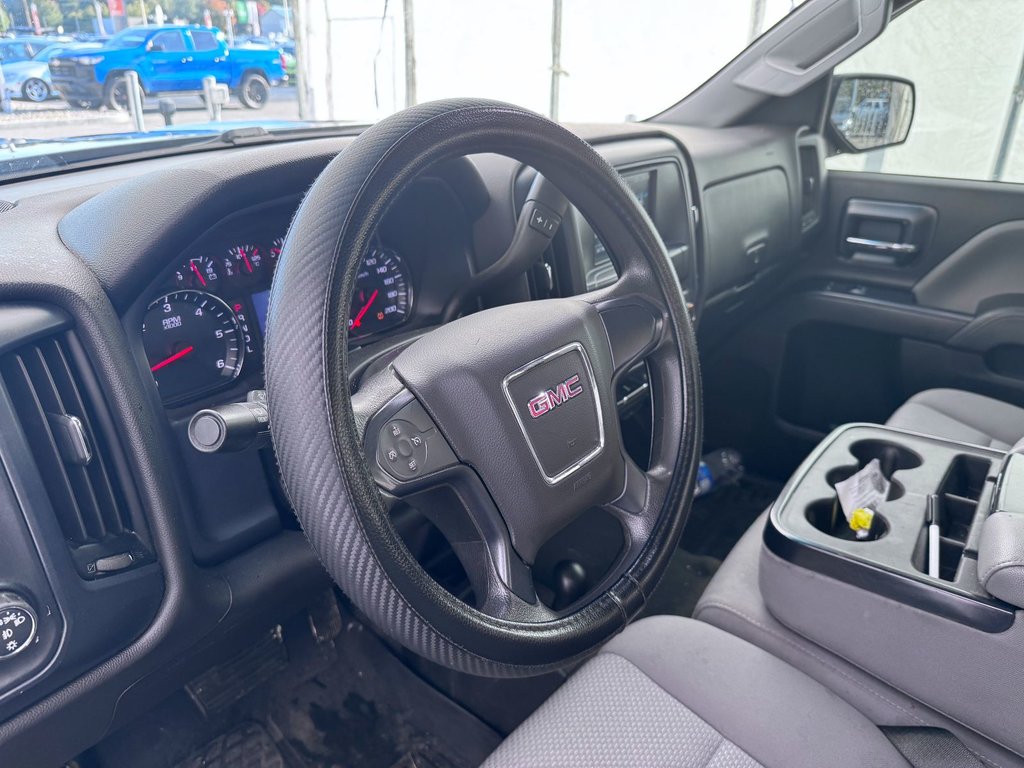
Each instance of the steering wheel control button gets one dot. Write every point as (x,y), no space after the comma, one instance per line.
(409,445)
(543,219)
(555,401)
(18,625)
(405,449)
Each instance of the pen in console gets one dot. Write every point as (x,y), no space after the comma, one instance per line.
(932,521)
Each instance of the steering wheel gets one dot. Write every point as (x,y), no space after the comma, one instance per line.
(506,417)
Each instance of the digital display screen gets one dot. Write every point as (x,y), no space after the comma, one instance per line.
(641,184)
(260,302)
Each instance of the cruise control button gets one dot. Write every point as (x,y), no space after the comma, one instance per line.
(409,445)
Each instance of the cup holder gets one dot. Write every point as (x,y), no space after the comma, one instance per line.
(827,516)
(892,458)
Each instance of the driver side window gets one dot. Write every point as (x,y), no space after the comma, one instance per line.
(966,61)
(170,41)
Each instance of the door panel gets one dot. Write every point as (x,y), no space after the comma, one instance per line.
(853,337)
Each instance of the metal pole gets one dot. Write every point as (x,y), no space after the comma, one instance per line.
(131,79)
(556,57)
(410,54)
(142,9)
(757,19)
(1009,132)
(212,102)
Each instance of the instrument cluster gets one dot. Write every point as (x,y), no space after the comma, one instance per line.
(206,327)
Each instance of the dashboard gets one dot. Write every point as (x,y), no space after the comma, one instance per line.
(153,316)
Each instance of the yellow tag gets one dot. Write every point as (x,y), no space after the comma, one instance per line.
(861,519)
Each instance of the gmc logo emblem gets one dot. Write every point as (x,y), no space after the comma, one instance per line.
(552,398)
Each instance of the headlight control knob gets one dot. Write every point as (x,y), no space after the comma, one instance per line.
(18,625)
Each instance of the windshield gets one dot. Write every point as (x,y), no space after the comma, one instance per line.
(216,65)
(126,39)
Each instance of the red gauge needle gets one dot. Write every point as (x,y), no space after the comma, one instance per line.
(198,274)
(172,358)
(248,266)
(362,312)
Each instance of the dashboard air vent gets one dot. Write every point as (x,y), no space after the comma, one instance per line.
(71,437)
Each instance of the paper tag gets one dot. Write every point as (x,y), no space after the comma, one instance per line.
(865,490)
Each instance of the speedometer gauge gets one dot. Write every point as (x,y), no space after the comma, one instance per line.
(383,295)
(193,343)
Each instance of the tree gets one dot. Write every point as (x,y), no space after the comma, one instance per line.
(189,10)
(79,15)
(50,13)
(5,18)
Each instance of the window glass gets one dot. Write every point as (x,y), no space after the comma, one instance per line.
(168,41)
(203,40)
(966,61)
(14,52)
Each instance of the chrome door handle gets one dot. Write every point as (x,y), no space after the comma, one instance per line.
(882,246)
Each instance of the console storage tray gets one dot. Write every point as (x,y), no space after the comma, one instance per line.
(807,527)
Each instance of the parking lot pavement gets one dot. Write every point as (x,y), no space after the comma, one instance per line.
(55,119)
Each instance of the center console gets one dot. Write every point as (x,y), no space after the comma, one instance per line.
(953,641)
(807,527)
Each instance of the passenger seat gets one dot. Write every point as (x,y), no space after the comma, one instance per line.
(963,416)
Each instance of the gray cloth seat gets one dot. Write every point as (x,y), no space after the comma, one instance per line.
(733,602)
(963,416)
(675,692)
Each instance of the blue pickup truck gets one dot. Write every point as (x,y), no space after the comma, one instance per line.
(168,59)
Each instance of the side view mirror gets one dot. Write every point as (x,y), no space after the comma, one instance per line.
(870,111)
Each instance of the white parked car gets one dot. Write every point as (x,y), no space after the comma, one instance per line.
(30,80)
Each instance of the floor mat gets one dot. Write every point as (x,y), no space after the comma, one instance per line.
(247,746)
(718,520)
(344,703)
(369,710)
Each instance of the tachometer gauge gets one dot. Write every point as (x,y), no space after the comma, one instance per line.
(193,343)
(199,272)
(383,296)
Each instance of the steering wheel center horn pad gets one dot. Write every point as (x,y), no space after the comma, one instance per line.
(461,375)
(508,412)
(556,402)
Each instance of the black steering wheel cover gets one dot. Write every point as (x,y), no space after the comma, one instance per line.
(318,443)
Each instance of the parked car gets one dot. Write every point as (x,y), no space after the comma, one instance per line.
(30,80)
(285,46)
(868,118)
(167,59)
(21,48)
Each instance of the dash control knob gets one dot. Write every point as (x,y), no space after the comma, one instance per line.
(18,625)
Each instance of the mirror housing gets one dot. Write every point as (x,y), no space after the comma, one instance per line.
(870,111)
